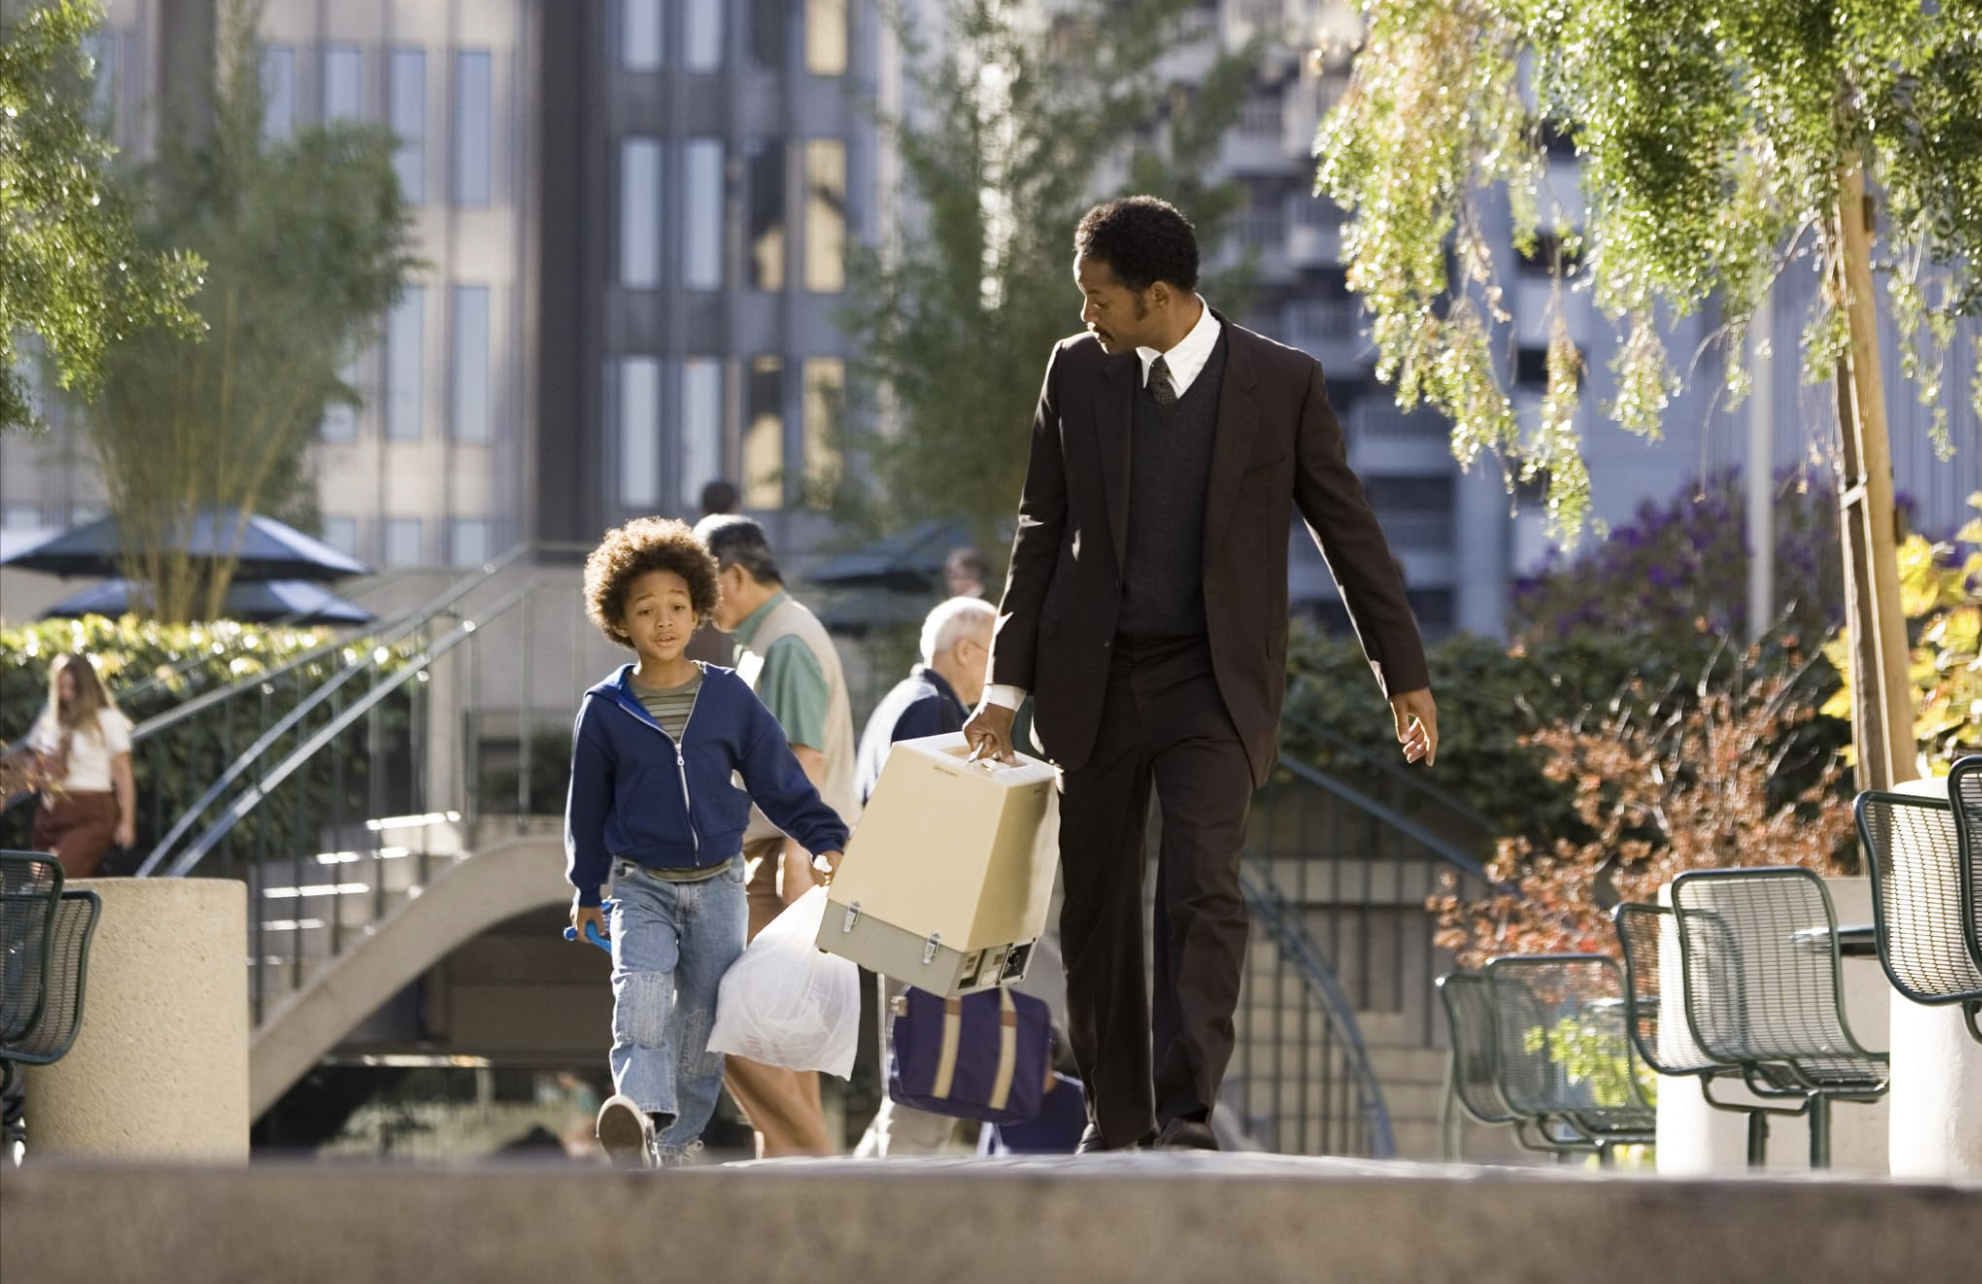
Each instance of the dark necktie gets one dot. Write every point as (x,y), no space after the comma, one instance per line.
(1160,386)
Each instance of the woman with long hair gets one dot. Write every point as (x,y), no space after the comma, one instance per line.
(89,799)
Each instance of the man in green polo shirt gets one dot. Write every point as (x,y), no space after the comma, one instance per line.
(788,659)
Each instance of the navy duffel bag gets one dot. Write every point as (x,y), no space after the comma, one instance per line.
(983,1056)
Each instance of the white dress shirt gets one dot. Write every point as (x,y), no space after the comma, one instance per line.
(1186,362)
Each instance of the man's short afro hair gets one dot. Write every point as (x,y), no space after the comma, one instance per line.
(1143,240)
(630,551)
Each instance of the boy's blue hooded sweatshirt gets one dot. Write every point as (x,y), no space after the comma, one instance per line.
(638,795)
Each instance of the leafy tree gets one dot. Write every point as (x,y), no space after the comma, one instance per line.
(1018,127)
(308,241)
(72,271)
(1720,140)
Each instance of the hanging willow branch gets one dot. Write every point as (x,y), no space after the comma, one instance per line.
(1711,134)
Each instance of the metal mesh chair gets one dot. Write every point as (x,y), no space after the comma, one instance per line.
(1563,1049)
(1470,1077)
(1913,846)
(1764,989)
(1965,790)
(30,888)
(1668,1046)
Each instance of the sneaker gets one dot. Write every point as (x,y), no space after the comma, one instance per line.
(626,1134)
(685,1156)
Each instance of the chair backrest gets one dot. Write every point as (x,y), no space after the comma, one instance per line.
(1666,1046)
(1913,848)
(1469,1016)
(30,888)
(68,973)
(1965,791)
(1761,959)
(1561,1041)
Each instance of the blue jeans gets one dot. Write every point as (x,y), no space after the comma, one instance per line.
(671,944)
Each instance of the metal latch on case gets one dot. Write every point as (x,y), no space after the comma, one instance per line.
(852,917)
(929,948)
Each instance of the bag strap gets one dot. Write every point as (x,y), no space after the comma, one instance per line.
(1008,1049)
(946,1058)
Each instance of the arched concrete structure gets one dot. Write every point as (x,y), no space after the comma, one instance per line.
(473,895)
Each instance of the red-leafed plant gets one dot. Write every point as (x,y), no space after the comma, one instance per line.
(1723,774)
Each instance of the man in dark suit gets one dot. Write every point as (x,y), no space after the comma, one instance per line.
(1146,612)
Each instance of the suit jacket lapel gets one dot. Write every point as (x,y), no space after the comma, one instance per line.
(1114,417)
(1231,446)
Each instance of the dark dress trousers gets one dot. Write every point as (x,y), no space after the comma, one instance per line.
(1191,710)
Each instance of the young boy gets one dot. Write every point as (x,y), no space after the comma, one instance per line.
(653,805)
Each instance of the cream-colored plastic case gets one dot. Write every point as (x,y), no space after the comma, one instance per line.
(946,881)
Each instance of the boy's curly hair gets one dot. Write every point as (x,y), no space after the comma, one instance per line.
(630,551)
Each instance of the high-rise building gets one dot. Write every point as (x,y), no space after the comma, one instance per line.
(707,167)
(428,470)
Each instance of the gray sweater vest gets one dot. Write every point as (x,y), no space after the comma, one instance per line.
(1169,471)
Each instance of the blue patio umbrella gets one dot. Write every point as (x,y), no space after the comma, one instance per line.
(268,549)
(261,601)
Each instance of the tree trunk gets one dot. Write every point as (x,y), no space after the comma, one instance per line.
(1881,690)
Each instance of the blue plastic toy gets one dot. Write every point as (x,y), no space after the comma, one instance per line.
(591,934)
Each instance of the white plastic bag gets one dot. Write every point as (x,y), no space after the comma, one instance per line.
(786,1003)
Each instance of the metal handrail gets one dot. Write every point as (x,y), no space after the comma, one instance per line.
(404,625)
(1416,781)
(1377,811)
(248,800)
(1296,943)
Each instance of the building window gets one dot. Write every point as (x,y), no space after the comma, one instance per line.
(701,430)
(408,118)
(467,541)
(765,209)
(825,386)
(640,432)
(640,213)
(825,215)
(278,91)
(402,541)
(764,433)
(471,363)
(769,21)
(341,533)
(20,516)
(471,127)
(702,35)
(343,83)
(640,37)
(825,37)
(340,418)
(405,355)
(702,214)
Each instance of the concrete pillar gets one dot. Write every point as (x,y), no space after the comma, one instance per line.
(1937,1077)
(1696,1139)
(160,1066)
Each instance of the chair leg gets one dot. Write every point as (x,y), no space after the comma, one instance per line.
(1758,1139)
(1972,1014)
(1820,1132)
(1606,1154)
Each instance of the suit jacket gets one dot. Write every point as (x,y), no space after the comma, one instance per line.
(1278,449)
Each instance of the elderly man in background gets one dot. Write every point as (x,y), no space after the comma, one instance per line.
(932,700)
(939,693)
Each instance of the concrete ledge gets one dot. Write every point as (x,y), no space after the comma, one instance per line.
(1132,1219)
